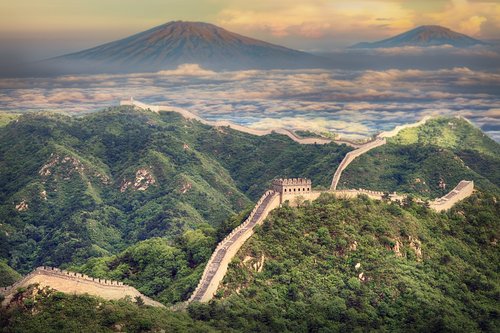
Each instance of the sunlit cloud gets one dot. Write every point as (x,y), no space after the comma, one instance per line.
(340,101)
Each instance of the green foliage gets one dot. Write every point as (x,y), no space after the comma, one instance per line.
(45,311)
(309,281)
(73,175)
(418,271)
(167,271)
(6,117)
(422,159)
(451,133)
(7,275)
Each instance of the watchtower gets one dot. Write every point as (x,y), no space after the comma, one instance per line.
(287,188)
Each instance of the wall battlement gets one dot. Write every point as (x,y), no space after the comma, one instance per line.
(224,123)
(460,192)
(75,283)
(350,156)
(291,186)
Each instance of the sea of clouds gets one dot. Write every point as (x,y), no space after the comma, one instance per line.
(350,102)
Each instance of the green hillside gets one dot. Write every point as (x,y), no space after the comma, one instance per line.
(7,275)
(72,188)
(429,160)
(418,271)
(7,117)
(356,265)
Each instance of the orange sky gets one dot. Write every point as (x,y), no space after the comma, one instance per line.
(313,24)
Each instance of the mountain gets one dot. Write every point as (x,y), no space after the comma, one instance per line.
(172,44)
(144,197)
(73,188)
(335,265)
(426,35)
(428,160)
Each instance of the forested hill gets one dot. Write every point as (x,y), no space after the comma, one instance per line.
(340,265)
(72,188)
(334,265)
(429,160)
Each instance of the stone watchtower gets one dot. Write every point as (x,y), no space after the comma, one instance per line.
(288,188)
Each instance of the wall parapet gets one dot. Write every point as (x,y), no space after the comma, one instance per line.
(460,192)
(48,274)
(225,123)
(350,156)
(61,272)
(244,231)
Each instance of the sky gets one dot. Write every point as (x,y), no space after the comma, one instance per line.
(44,28)
(365,93)
(350,103)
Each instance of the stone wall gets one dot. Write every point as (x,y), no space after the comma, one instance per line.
(350,156)
(291,187)
(75,283)
(397,129)
(224,123)
(216,267)
(379,141)
(460,192)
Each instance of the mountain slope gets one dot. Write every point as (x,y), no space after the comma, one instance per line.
(429,160)
(333,266)
(426,35)
(76,188)
(339,265)
(175,43)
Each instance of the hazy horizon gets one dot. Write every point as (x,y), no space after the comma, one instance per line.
(33,31)
(357,93)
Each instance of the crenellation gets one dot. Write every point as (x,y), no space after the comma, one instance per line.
(74,282)
(291,186)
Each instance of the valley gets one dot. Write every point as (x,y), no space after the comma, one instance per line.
(250,166)
(217,265)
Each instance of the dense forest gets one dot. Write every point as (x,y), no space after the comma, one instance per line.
(76,188)
(144,198)
(429,160)
(334,265)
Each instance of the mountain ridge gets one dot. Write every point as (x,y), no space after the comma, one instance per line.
(424,36)
(178,42)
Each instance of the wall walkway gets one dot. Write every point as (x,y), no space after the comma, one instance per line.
(224,123)
(460,192)
(350,156)
(75,283)
(217,265)
(379,141)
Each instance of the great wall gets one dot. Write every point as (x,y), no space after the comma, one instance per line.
(224,123)
(75,283)
(282,190)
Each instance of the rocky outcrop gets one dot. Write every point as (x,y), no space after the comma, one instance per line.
(65,166)
(22,206)
(186,186)
(73,164)
(142,181)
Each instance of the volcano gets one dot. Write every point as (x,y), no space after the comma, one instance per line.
(423,36)
(175,43)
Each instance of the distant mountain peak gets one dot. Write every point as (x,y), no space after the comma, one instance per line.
(425,35)
(179,42)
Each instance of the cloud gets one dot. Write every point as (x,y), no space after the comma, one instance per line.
(66,96)
(342,101)
(311,124)
(187,70)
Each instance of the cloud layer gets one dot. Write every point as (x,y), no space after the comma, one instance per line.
(354,103)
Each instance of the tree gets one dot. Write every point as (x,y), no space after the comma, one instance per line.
(139,301)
